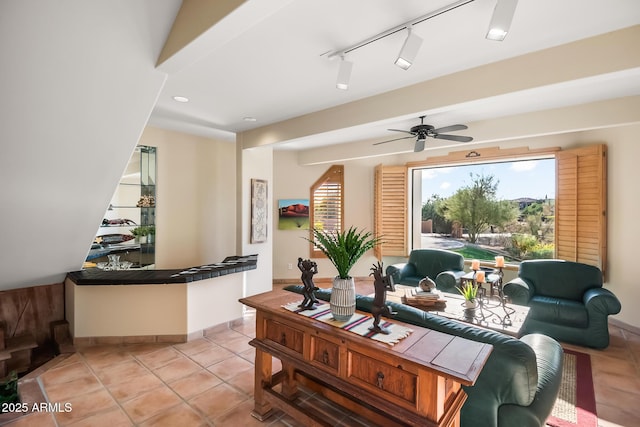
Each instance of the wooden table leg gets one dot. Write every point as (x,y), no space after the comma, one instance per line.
(289,385)
(263,374)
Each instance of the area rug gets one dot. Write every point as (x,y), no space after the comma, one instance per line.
(576,402)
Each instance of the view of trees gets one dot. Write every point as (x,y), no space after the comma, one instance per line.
(524,228)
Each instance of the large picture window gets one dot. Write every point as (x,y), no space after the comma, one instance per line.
(572,208)
(482,210)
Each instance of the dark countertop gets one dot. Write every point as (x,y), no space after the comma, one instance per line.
(230,265)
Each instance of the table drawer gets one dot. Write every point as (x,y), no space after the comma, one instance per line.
(284,335)
(325,353)
(382,376)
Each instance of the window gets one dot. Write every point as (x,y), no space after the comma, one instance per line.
(579,205)
(326,202)
(482,210)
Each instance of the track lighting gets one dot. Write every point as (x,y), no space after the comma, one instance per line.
(501,19)
(344,74)
(409,50)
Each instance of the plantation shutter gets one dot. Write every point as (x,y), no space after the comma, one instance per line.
(581,205)
(326,204)
(390,210)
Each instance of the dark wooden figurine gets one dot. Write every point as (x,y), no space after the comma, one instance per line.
(308,268)
(382,284)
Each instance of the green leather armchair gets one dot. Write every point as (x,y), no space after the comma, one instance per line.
(566,300)
(442,266)
(519,383)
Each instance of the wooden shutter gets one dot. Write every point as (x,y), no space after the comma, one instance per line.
(581,205)
(390,210)
(326,204)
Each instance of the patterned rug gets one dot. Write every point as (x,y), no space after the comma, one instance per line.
(358,324)
(576,402)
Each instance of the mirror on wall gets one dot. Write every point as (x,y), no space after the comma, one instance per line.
(126,235)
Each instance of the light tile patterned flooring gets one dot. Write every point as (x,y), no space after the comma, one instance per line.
(209,382)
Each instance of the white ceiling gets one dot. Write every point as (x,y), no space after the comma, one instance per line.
(272,66)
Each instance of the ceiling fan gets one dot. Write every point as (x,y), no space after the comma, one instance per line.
(422,131)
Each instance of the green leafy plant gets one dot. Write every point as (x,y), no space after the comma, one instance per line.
(344,248)
(144,230)
(469,291)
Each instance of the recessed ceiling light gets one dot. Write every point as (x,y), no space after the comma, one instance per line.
(250,119)
(181,99)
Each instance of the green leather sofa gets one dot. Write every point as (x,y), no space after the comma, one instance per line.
(442,266)
(519,383)
(566,300)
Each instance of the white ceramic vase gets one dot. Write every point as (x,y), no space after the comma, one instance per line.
(343,299)
(471,303)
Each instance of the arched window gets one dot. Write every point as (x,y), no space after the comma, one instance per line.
(326,202)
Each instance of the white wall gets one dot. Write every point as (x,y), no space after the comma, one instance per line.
(256,163)
(196,194)
(293,180)
(67,131)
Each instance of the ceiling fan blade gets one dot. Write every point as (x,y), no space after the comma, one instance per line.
(458,138)
(401,130)
(451,128)
(397,139)
(419,146)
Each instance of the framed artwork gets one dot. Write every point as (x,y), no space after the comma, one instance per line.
(293,214)
(258,210)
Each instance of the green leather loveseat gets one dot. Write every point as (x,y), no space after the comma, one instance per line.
(566,300)
(442,266)
(517,386)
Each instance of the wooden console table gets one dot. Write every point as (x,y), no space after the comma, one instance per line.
(415,382)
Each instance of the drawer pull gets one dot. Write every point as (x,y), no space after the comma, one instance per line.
(325,357)
(380,379)
(283,339)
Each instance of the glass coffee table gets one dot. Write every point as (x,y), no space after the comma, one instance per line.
(491,314)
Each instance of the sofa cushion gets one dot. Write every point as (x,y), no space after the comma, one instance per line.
(557,310)
(431,262)
(560,279)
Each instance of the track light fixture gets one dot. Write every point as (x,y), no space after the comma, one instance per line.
(501,19)
(409,50)
(344,74)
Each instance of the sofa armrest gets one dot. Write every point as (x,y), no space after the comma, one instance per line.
(549,360)
(602,301)
(398,271)
(519,291)
(448,280)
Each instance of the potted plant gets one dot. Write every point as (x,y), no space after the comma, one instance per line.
(139,232)
(343,249)
(469,291)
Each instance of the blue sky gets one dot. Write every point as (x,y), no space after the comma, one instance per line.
(527,178)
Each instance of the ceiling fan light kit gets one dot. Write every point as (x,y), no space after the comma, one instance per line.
(500,22)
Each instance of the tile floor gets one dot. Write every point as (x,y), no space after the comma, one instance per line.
(209,382)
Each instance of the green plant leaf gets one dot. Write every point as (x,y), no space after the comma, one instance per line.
(344,248)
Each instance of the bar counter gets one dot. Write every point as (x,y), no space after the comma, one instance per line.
(176,305)
(231,264)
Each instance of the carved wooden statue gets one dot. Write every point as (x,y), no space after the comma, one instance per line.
(381,284)
(308,269)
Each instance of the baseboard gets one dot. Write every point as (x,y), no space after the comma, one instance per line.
(625,326)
